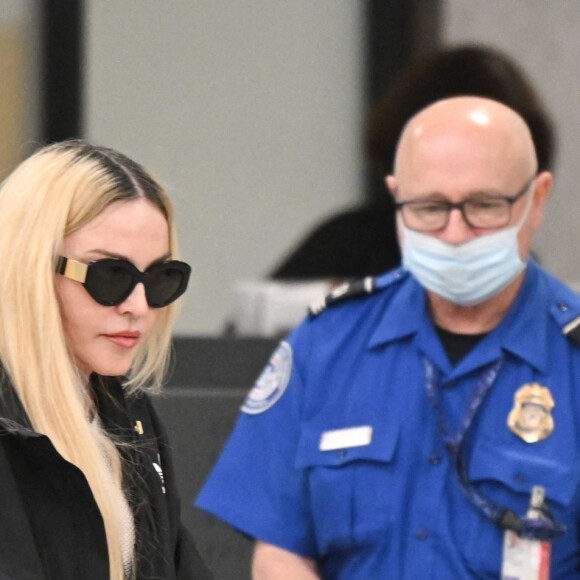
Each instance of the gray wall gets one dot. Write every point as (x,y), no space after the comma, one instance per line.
(251,110)
(19,82)
(248,110)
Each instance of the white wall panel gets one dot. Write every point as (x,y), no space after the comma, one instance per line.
(250,111)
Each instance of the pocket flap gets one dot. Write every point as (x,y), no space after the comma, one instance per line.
(521,470)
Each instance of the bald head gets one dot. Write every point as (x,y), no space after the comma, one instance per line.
(465,134)
(465,149)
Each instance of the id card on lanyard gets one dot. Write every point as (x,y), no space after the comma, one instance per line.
(525,558)
(527,548)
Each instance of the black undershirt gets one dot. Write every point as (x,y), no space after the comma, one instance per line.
(456,345)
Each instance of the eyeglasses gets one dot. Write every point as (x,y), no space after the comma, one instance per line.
(482,211)
(111,281)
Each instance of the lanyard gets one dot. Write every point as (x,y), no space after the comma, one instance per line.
(539,529)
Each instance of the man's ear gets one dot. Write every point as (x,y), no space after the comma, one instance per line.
(391,183)
(541,193)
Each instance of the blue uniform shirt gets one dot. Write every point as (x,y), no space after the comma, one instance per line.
(392,507)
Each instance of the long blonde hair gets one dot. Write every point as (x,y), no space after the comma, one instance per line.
(50,195)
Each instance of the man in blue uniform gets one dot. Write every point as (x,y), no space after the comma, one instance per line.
(399,431)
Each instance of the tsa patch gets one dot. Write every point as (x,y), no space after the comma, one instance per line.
(271,383)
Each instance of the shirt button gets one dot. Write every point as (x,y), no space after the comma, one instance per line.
(434,459)
(421,534)
(342,454)
(520,478)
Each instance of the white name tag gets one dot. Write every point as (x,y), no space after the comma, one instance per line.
(343,438)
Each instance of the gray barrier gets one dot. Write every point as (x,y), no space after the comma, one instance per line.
(209,380)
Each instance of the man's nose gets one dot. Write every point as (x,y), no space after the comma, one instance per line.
(457,230)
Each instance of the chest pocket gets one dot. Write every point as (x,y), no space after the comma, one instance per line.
(350,487)
(507,475)
(519,470)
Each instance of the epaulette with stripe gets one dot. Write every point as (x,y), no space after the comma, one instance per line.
(342,293)
(572,330)
(350,290)
(566,311)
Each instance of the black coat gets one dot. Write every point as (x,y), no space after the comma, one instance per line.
(50,526)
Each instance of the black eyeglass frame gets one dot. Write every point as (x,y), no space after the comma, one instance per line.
(450,205)
(81,272)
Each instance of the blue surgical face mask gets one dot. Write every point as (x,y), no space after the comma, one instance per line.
(468,273)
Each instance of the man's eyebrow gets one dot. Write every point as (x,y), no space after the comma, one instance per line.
(433,196)
(437,196)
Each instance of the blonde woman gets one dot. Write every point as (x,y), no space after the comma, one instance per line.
(87,301)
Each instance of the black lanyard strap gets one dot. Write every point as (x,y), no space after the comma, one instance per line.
(544,528)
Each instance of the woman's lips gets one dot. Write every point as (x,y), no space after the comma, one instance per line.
(125,339)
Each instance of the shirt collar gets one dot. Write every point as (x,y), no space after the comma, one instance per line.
(523,332)
(404,314)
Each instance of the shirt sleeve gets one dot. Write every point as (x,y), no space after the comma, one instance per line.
(256,486)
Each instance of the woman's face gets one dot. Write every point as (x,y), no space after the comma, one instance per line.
(105,339)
